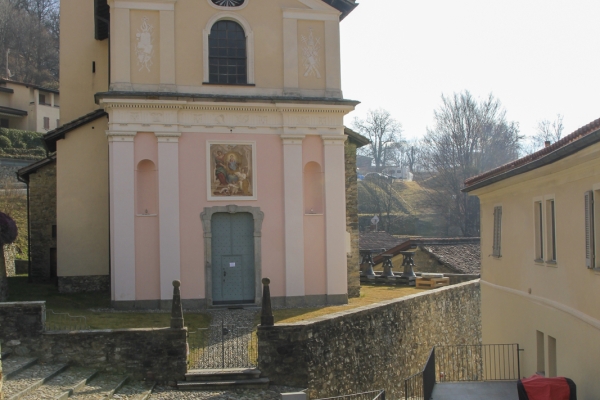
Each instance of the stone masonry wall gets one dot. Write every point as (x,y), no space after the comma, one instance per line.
(84,284)
(154,354)
(352,220)
(42,212)
(372,347)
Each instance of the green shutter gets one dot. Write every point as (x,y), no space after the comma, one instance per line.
(589,229)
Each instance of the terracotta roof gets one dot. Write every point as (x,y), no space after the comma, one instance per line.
(378,240)
(24,172)
(566,146)
(464,258)
(12,111)
(52,136)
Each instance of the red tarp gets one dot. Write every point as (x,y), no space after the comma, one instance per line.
(540,388)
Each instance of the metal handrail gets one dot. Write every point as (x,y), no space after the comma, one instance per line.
(65,322)
(379,395)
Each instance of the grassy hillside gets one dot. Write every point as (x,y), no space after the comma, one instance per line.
(409,214)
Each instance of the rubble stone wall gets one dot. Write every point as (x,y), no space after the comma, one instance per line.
(157,354)
(352,220)
(372,347)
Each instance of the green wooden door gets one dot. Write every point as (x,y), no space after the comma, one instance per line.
(233,258)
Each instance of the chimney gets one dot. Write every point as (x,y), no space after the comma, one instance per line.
(547,143)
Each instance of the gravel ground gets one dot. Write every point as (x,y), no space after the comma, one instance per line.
(59,384)
(133,391)
(273,393)
(28,377)
(13,363)
(98,388)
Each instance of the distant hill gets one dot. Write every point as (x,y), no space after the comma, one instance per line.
(406,203)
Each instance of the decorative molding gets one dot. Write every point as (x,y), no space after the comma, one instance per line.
(228,15)
(311,15)
(120,136)
(144,51)
(229,8)
(149,5)
(206,218)
(311,57)
(330,140)
(292,139)
(593,322)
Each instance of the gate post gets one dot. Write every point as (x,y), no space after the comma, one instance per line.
(266,315)
(176,310)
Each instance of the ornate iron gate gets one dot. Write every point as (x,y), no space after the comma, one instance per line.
(223,346)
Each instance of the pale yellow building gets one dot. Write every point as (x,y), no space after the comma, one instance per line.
(28,107)
(540,245)
(205,144)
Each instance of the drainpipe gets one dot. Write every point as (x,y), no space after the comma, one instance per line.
(28,231)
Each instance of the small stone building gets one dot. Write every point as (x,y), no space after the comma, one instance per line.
(41,198)
(354,142)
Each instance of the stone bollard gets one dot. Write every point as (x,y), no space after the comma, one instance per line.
(176,310)
(266,314)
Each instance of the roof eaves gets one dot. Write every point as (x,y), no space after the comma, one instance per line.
(547,159)
(356,137)
(50,138)
(24,172)
(45,89)
(344,6)
(12,111)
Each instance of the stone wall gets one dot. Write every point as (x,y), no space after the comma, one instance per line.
(352,219)
(42,216)
(154,354)
(372,347)
(84,284)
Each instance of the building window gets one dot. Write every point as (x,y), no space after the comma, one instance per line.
(550,231)
(53,231)
(497,231)
(46,123)
(227,53)
(590,242)
(42,99)
(4,123)
(539,230)
(541,359)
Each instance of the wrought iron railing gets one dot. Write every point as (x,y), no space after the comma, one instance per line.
(420,385)
(65,322)
(373,395)
(483,362)
(222,346)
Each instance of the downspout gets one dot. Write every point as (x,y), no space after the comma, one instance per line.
(28,231)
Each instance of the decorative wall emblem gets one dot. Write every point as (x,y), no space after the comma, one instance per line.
(310,54)
(145,49)
(231,170)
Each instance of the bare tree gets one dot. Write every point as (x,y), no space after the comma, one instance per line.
(468,138)
(385,134)
(548,131)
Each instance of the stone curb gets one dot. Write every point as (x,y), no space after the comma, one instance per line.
(77,386)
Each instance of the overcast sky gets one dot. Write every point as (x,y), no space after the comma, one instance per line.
(538,57)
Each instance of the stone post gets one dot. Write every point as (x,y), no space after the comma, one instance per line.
(266,315)
(177,310)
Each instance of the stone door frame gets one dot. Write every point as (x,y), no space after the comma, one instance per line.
(206,217)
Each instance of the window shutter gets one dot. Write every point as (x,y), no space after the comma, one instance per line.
(497,231)
(589,229)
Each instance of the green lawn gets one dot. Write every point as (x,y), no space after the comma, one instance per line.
(80,304)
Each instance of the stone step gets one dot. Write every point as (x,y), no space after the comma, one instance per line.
(228,374)
(28,380)
(62,385)
(260,383)
(134,391)
(103,386)
(15,364)
(6,353)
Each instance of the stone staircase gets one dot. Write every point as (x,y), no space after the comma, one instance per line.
(223,379)
(25,378)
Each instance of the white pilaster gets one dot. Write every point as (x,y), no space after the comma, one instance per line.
(294,215)
(335,214)
(168,211)
(167,51)
(333,72)
(122,214)
(290,55)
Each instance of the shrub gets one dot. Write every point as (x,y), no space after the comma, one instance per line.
(8,229)
(5,142)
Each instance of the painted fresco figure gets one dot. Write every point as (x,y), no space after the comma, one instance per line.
(220,170)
